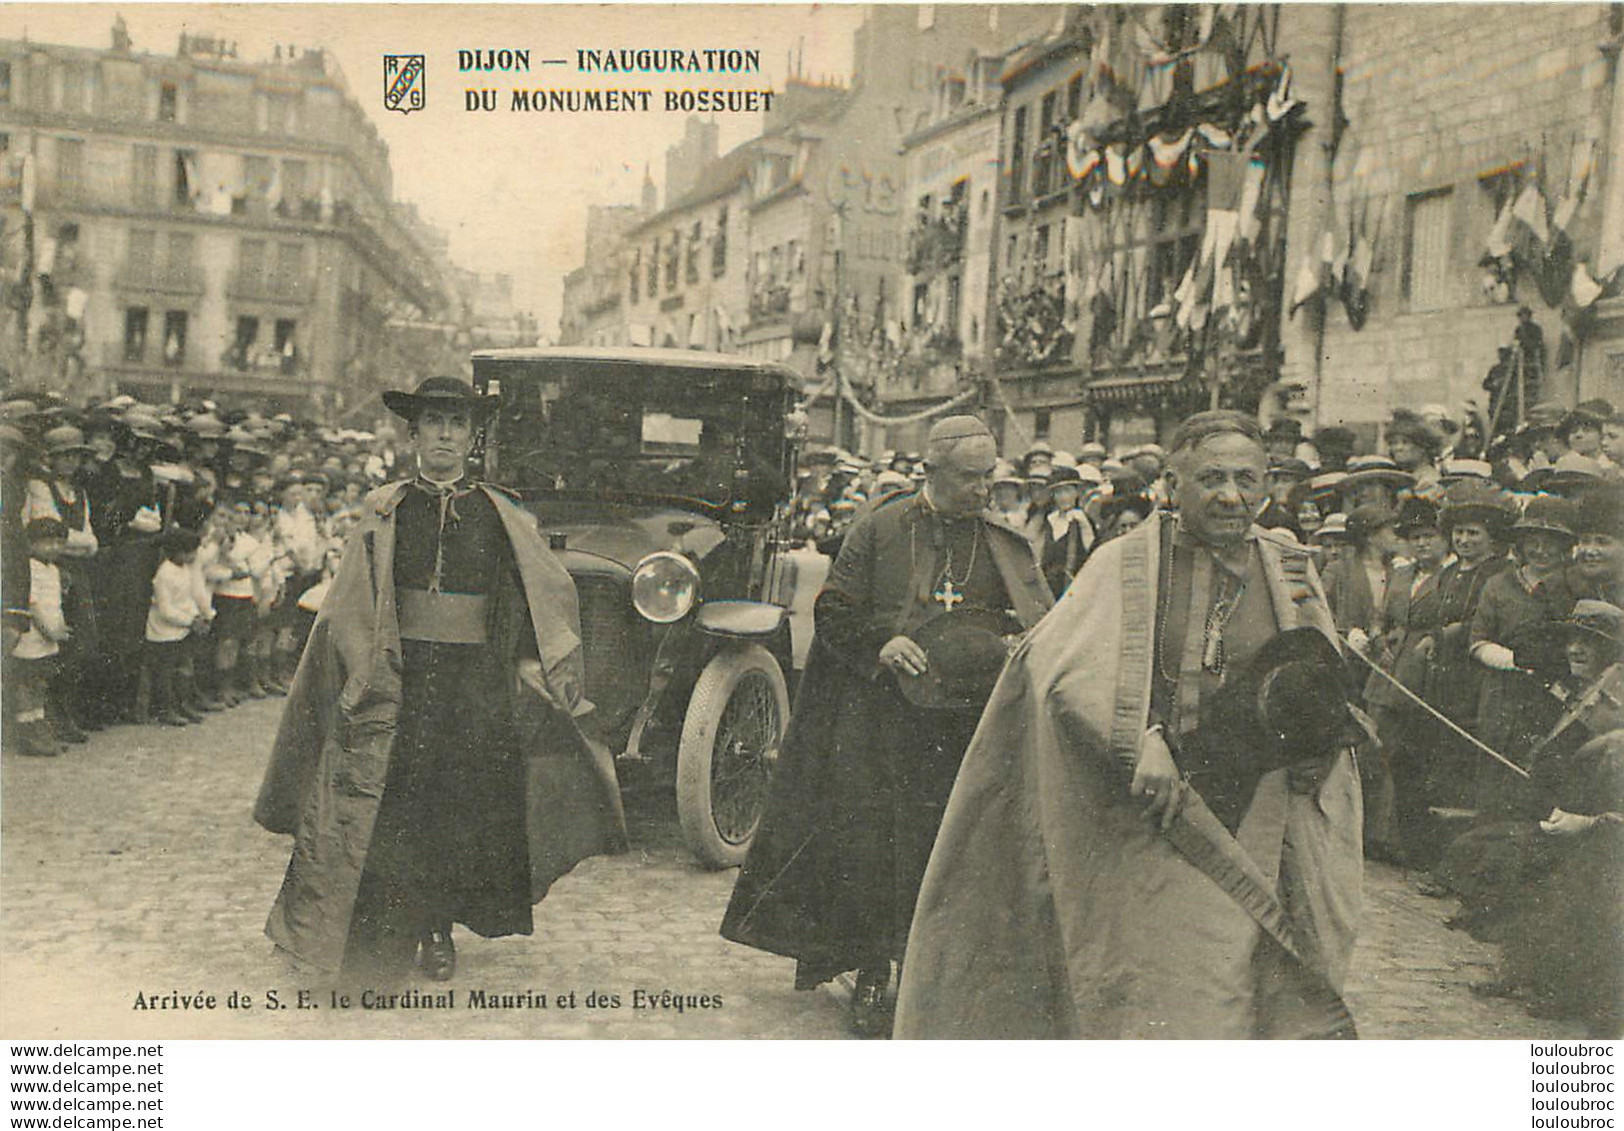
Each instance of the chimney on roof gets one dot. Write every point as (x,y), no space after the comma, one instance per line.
(651,195)
(686,161)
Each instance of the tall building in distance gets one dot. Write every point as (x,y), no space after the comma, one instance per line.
(191,224)
(1088,221)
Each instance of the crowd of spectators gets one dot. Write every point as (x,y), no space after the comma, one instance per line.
(162,562)
(1478,587)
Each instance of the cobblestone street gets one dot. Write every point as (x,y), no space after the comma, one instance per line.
(132,864)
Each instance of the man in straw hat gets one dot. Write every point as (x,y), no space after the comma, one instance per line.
(872,747)
(1079,888)
(429,742)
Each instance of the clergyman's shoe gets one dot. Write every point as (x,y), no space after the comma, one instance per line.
(870,1013)
(439,958)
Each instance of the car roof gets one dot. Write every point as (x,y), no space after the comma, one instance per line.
(641,355)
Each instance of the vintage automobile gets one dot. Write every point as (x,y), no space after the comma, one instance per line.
(660,478)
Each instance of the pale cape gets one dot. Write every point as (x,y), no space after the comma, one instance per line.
(1052,908)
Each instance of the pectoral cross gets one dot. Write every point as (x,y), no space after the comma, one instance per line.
(948,595)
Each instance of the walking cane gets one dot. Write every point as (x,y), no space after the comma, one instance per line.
(1435,713)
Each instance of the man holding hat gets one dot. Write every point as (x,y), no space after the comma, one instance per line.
(908,641)
(429,742)
(1079,886)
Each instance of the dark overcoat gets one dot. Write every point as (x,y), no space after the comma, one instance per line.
(333,749)
(812,887)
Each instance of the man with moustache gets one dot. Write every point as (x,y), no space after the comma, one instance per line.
(1109,865)
(866,769)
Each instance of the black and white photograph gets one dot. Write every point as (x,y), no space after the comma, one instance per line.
(855,522)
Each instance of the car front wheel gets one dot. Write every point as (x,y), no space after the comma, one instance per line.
(730,740)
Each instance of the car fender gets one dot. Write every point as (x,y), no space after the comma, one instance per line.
(740,620)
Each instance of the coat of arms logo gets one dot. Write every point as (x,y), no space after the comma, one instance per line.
(405,82)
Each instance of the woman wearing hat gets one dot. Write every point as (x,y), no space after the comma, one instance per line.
(1413,448)
(1513,708)
(1477,519)
(1411,590)
(126,513)
(1598,559)
(1374,481)
(1545,881)
(1067,534)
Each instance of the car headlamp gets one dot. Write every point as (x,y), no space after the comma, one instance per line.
(664,587)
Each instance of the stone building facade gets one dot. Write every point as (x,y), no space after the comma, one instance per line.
(1325,211)
(198,225)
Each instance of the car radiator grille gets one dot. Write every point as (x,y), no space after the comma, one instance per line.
(614,641)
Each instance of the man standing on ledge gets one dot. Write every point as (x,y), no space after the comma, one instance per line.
(428,762)
(871,753)
(1109,865)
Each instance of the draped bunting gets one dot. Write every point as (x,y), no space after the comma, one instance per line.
(1167,158)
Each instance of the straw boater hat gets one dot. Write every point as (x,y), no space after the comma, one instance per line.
(1560,480)
(1004,472)
(1325,485)
(1375,469)
(1455,468)
(1334,528)
(62,439)
(440,392)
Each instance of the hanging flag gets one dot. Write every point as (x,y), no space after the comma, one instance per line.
(1356,279)
(1530,209)
(1579,169)
(1166,152)
(1280,101)
(1498,245)
(191,186)
(1116,167)
(28,183)
(1081,155)
(45,257)
(1585,289)
(273,191)
(1251,195)
(696,330)
(75,303)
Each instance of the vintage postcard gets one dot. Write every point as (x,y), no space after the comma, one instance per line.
(811,521)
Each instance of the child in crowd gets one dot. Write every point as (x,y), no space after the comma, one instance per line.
(34,658)
(172,618)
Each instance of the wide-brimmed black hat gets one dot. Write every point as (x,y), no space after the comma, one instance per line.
(1289,704)
(441,392)
(965,651)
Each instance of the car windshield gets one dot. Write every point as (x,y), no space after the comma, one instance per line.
(675,433)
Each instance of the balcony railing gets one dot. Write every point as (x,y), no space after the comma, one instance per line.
(269,286)
(145,275)
(934,244)
(146,354)
(770,301)
(263,361)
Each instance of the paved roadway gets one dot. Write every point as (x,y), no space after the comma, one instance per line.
(132,865)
